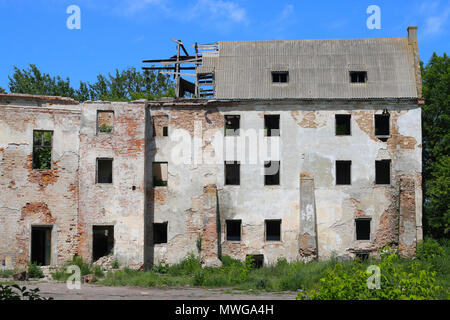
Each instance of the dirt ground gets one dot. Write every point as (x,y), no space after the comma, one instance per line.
(59,291)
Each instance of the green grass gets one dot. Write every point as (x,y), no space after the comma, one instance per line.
(7,273)
(282,276)
(85,269)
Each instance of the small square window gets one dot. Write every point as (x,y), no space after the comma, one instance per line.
(232,125)
(257,260)
(160,174)
(343,172)
(363,256)
(271,173)
(273,230)
(233,230)
(104,170)
(343,124)
(105,121)
(280,76)
(272,125)
(358,76)
(160,233)
(42,149)
(383,172)
(232,173)
(362,229)
(160,125)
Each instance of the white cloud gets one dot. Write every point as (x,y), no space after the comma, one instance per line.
(218,9)
(435,24)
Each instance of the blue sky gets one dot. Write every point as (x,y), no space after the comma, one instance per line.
(121,33)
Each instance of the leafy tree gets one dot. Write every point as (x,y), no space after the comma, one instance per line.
(33,81)
(2,90)
(125,85)
(436,146)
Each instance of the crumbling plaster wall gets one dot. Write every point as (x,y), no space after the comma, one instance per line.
(37,197)
(120,204)
(308,146)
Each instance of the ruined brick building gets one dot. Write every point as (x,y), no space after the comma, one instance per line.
(299,149)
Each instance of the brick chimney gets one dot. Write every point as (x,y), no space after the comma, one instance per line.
(412,35)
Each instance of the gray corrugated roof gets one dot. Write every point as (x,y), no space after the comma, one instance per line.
(317,68)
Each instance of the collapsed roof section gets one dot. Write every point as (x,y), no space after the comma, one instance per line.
(182,64)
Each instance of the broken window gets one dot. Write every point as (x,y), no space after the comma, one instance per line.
(358,76)
(104,170)
(232,173)
(160,125)
(343,124)
(257,260)
(232,125)
(160,174)
(362,255)
(160,232)
(41,245)
(383,172)
(343,172)
(280,76)
(362,229)
(102,242)
(233,230)
(42,149)
(272,125)
(105,121)
(273,230)
(382,124)
(271,173)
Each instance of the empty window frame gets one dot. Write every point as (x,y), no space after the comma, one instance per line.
(343,172)
(102,241)
(273,230)
(104,170)
(362,229)
(271,173)
(42,149)
(358,76)
(257,260)
(362,255)
(232,173)
(160,174)
(232,123)
(383,172)
(160,232)
(272,125)
(280,76)
(105,121)
(343,124)
(233,231)
(382,124)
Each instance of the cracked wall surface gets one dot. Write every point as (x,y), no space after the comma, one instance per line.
(37,197)
(309,146)
(317,217)
(120,203)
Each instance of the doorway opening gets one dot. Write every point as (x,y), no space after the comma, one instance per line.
(103,241)
(41,245)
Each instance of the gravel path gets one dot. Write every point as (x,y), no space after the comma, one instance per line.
(59,291)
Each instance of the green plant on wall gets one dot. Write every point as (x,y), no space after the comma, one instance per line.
(105,128)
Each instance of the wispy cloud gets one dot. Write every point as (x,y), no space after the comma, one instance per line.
(436,17)
(435,24)
(218,10)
